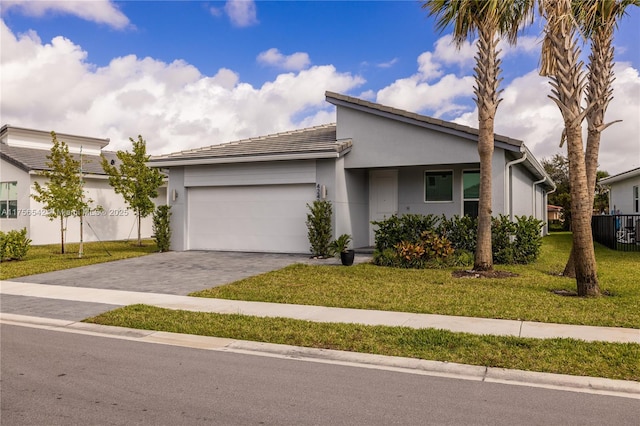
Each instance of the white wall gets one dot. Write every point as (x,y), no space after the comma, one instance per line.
(115,222)
(621,195)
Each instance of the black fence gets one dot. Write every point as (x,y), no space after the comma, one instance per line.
(618,232)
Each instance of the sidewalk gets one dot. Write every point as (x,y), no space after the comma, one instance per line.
(324,314)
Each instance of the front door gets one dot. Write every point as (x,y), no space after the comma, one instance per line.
(383,197)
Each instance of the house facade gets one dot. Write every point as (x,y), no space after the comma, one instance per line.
(23,157)
(624,192)
(375,161)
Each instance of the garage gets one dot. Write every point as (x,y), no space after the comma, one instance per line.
(256,218)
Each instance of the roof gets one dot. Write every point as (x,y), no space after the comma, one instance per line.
(31,159)
(620,176)
(417,119)
(70,139)
(552,208)
(310,143)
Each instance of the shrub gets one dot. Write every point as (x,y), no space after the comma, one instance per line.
(527,242)
(319,226)
(340,245)
(14,245)
(462,231)
(502,235)
(162,228)
(408,227)
(386,257)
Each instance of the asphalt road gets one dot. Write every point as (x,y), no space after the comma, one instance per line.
(57,378)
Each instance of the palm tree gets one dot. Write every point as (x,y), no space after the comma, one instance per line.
(560,63)
(490,19)
(598,20)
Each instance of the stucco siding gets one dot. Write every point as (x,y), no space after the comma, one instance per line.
(178,210)
(621,195)
(382,142)
(270,173)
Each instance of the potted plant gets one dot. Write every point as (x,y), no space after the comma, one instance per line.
(340,246)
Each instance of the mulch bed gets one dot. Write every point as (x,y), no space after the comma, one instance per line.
(483,274)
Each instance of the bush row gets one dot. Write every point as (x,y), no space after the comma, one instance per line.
(418,241)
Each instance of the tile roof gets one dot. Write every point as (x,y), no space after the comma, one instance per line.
(337,98)
(29,159)
(312,140)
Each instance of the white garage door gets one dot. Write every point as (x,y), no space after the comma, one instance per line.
(265,218)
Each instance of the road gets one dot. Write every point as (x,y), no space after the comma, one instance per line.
(58,378)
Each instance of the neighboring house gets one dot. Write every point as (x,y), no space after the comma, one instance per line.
(624,192)
(376,161)
(554,212)
(23,156)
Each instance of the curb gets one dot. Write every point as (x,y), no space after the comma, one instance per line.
(596,385)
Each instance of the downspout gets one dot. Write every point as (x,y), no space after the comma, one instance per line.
(507,186)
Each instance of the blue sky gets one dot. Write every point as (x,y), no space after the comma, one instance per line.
(186,73)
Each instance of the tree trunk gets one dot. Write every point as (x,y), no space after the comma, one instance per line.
(486,91)
(581,207)
(139,230)
(61,235)
(599,94)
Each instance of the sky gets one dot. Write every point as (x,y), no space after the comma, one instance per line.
(187,74)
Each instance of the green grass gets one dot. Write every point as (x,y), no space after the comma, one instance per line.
(47,258)
(564,356)
(526,297)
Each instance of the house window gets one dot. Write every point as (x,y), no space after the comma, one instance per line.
(438,186)
(8,200)
(471,192)
(636,199)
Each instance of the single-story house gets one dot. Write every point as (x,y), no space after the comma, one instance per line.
(624,191)
(554,212)
(23,156)
(375,161)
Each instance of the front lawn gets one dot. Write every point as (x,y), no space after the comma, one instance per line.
(562,356)
(47,258)
(526,297)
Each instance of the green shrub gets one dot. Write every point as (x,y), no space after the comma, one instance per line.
(319,227)
(527,243)
(462,231)
(408,227)
(14,245)
(502,235)
(162,228)
(386,257)
(340,245)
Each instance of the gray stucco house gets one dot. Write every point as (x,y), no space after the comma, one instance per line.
(251,195)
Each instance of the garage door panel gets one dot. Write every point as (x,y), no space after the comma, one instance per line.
(267,218)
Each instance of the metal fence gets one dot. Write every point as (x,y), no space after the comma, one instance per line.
(618,232)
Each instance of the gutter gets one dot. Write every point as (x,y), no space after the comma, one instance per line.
(507,181)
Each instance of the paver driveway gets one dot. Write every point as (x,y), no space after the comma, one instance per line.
(170,273)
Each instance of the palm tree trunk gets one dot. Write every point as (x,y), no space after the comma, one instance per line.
(486,91)
(561,62)
(599,94)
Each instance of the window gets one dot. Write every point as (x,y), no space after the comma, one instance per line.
(636,199)
(8,200)
(471,192)
(438,186)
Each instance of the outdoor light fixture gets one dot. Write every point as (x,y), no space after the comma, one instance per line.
(174,194)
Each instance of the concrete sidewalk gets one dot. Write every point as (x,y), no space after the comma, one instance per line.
(323,314)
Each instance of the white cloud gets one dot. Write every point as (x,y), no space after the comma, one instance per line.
(527,113)
(387,64)
(241,13)
(99,11)
(172,105)
(294,62)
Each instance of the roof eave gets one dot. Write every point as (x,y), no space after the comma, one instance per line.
(247,159)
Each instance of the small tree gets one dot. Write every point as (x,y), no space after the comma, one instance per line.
(319,225)
(134,180)
(62,195)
